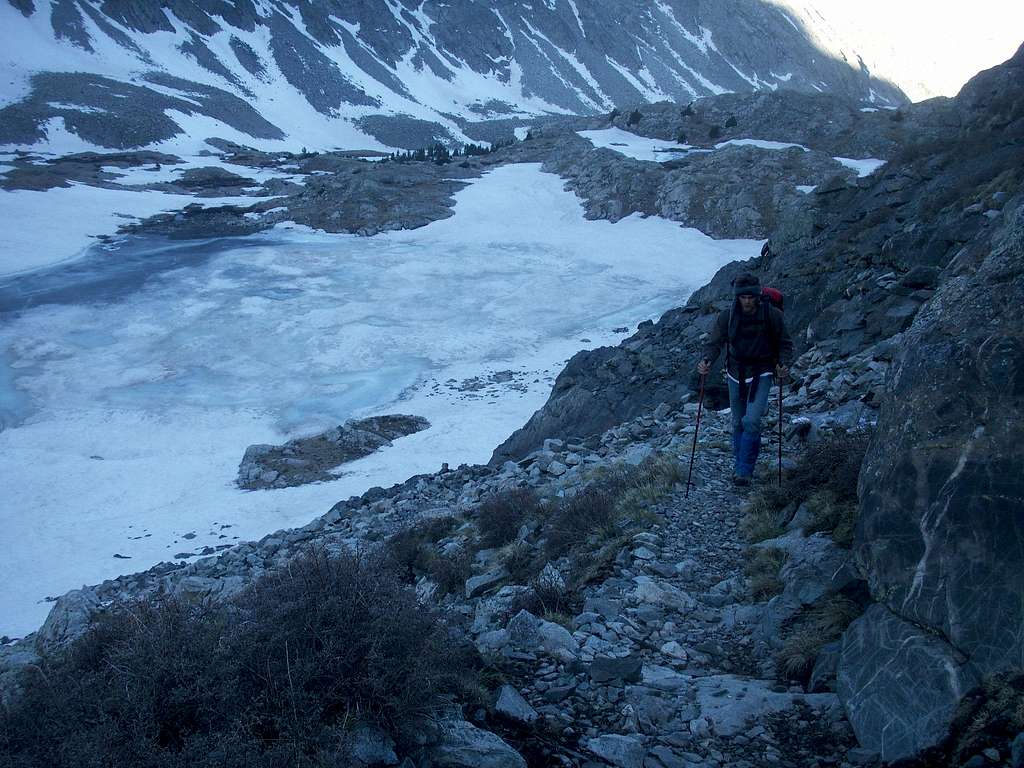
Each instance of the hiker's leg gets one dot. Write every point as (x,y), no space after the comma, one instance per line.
(736,408)
(750,442)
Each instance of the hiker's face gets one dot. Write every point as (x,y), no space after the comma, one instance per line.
(748,304)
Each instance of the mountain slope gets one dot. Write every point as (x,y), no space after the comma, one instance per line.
(397,73)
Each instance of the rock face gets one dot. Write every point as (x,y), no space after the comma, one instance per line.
(309,459)
(940,535)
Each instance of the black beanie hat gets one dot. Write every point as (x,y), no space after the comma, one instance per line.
(746,285)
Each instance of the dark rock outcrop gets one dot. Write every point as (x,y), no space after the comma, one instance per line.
(310,459)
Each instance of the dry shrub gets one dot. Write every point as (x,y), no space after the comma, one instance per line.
(615,499)
(450,570)
(521,561)
(501,515)
(762,569)
(591,512)
(812,629)
(275,678)
(825,476)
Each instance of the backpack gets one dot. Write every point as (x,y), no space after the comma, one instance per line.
(774,297)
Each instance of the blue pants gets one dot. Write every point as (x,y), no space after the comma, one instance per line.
(746,423)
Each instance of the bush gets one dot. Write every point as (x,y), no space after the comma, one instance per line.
(590,512)
(521,562)
(715,132)
(634,117)
(731,122)
(761,522)
(410,552)
(501,515)
(825,477)
(274,678)
(450,571)
(762,569)
(813,628)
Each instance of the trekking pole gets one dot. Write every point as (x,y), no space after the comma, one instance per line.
(693,451)
(780,433)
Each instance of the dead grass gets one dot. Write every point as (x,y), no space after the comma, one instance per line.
(762,569)
(501,515)
(825,477)
(815,627)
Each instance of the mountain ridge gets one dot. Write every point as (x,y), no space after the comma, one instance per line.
(326,73)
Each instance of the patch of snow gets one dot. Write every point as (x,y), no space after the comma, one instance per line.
(863,167)
(631,145)
(84,213)
(760,143)
(806,189)
(869,109)
(521,132)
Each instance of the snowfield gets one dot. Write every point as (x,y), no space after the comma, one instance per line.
(125,416)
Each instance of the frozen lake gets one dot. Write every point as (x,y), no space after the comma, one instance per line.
(132,381)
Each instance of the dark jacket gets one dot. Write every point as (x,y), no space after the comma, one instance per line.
(754,344)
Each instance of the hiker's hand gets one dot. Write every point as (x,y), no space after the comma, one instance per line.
(781,373)
(703,367)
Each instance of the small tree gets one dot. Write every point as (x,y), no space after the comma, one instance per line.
(731,122)
(715,132)
(634,117)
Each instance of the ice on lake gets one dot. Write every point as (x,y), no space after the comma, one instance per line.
(128,408)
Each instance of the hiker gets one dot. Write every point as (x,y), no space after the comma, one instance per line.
(758,350)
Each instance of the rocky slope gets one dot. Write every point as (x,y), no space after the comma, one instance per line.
(397,74)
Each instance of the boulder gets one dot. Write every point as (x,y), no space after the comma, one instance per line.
(729,702)
(513,706)
(900,684)
(463,745)
(310,459)
(623,751)
(69,618)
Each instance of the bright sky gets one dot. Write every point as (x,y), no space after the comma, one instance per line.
(930,45)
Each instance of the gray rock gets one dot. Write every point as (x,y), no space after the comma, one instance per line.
(494,610)
(933,535)
(309,459)
(862,756)
(477,585)
(513,706)
(624,751)
(371,746)
(729,702)
(68,619)
(609,669)
(464,745)
(1017,751)
(897,719)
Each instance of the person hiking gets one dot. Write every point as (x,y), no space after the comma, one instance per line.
(758,350)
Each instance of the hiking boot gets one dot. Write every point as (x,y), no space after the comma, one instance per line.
(740,480)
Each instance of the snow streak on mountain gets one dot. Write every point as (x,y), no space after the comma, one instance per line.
(378,74)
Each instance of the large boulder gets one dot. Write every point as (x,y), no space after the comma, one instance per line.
(900,683)
(310,459)
(940,535)
(463,745)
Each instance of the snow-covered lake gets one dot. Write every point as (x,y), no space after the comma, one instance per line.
(127,407)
